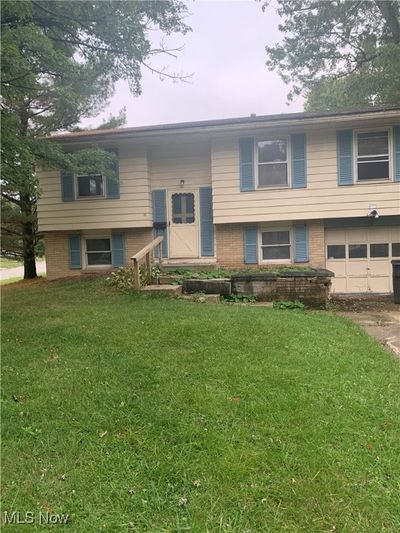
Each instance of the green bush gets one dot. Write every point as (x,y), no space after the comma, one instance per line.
(288,305)
(239,298)
(123,277)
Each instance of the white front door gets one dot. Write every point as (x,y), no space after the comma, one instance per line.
(361,258)
(183,224)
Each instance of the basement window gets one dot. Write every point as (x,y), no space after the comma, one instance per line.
(275,245)
(98,252)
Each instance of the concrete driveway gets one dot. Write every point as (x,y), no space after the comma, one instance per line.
(378,315)
(18,272)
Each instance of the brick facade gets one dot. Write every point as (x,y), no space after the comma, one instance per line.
(57,250)
(229,245)
(229,248)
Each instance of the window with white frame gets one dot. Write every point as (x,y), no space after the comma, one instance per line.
(275,245)
(98,251)
(373,155)
(272,163)
(90,186)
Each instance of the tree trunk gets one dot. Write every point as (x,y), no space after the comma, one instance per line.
(28,236)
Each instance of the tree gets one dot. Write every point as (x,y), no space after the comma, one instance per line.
(339,53)
(60,63)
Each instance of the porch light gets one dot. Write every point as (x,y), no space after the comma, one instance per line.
(182,183)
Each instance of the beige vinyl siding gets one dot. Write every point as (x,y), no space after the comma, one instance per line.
(171,163)
(132,209)
(322,198)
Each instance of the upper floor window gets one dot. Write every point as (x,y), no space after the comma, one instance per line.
(90,186)
(272,163)
(373,155)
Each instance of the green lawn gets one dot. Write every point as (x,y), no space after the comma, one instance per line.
(154,415)
(6,262)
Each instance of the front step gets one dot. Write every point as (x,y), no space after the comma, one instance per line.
(171,290)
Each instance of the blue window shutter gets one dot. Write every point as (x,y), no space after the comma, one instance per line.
(118,249)
(299,160)
(300,241)
(246,155)
(396,133)
(75,251)
(159,200)
(250,244)
(206,222)
(67,186)
(113,183)
(344,144)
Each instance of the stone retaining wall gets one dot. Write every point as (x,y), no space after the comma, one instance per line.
(310,288)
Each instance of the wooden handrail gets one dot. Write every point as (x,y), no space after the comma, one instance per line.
(148,248)
(145,252)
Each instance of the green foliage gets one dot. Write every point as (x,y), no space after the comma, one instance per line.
(123,278)
(239,298)
(339,54)
(60,62)
(288,305)
(162,415)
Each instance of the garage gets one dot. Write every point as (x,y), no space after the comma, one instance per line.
(361,258)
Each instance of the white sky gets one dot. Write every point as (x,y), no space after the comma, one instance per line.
(225,52)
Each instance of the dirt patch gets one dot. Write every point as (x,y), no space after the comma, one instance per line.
(364,303)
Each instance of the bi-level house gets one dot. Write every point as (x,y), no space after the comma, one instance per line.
(320,189)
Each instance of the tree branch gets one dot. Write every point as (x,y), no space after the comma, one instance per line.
(11,199)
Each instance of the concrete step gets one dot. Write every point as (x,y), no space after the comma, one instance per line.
(172,290)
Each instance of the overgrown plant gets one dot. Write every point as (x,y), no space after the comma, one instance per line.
(239,298)
(296,304)
(123,278)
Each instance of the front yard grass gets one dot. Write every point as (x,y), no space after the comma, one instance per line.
(6,262)
(135,413)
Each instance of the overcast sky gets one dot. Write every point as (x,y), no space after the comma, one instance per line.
(225,52)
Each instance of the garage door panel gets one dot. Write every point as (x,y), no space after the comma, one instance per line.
(357,284)
(379,284)
(358,236)
(357,268)
(339,284)
(356,273)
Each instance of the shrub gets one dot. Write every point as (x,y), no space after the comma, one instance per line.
(239,298)
(123,278)
(288,305)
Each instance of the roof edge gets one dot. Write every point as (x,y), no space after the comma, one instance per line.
(204,124)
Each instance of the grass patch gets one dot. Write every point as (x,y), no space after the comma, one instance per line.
(7,281)
(131,411)
(6,262)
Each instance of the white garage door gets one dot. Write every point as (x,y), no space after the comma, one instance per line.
(360,258)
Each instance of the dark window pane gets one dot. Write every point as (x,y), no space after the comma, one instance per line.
(373,170)
(271,151)
(275,237)
(98,245)
(396,249)
(336,251)
(99,258)
(373,143)
(176,203)
(271,253)
(90,186)
(273,174)
(183,208)
(357,251)
(379,250)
